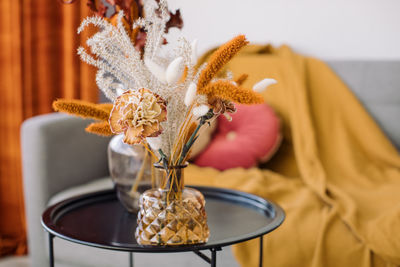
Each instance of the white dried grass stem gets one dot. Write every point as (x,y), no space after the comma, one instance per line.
(190,94)
(174,71)
(200,111)
(263,84)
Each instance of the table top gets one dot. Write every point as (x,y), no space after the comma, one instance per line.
(99,220)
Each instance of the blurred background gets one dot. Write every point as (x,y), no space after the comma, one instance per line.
(38,59)
(336,29)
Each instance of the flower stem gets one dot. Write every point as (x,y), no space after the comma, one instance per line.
(173,178)
(163,159)
(194,136)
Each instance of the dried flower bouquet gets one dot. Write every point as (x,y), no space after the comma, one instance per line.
(161,99)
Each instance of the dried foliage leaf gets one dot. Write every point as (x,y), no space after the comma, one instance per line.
(97,7)
(175,20)
(133,9)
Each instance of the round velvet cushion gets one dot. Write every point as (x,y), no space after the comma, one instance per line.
(252,136)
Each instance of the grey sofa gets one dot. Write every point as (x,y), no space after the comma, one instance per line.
(59,155)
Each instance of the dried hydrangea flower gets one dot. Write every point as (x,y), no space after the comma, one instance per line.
(138,115)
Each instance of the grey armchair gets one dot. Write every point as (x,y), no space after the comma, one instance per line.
(56,154)
(59,154)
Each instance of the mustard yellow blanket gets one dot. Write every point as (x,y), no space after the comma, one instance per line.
(336,175)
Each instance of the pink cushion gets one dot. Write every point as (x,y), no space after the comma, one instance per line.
(252,136)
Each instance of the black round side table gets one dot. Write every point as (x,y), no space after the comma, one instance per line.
(99,220)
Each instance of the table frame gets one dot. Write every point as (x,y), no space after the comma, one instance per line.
(212,261)
(228,195)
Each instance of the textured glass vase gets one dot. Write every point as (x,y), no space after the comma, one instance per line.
(131,171)
(172,215)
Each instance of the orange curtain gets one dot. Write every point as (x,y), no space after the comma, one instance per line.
(38,63)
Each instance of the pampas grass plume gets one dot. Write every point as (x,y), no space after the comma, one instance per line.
(156,70)
(120,89)
(193,57)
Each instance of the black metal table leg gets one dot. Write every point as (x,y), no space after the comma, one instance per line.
(213,257)
(261,252)
(201,255)
(51,250)
(130,259)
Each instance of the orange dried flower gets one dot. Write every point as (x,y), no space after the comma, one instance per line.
(88,110)
(105,106)
(219,58)
(228,91)
(100,128)
(82,109)
(242,78)
(138,114)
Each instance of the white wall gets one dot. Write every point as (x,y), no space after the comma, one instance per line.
(328,29)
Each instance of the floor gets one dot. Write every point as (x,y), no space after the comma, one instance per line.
(15,262)
(224,259)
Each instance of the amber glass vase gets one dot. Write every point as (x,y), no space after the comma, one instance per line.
(172,214)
